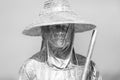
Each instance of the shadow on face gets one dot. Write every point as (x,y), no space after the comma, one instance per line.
(57,35)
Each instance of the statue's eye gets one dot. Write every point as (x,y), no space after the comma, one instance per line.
(52,28)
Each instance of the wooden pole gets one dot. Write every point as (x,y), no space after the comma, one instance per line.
(90,52)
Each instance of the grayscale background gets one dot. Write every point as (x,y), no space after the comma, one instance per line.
(15,48)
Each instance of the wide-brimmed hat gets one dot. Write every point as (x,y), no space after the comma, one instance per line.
(57,12)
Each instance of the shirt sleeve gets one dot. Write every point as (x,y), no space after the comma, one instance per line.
(93,74)
(27,72)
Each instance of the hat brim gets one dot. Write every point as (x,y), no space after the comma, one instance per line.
(58,18)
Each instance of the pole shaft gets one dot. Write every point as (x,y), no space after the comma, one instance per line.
(90,52)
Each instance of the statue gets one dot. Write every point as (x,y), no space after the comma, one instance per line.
(57,59)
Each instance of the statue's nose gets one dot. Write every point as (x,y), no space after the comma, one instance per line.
(61,33)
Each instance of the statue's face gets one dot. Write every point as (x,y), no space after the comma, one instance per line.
(58,36)
(59,39)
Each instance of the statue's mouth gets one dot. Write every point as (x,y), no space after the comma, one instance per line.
(60,43)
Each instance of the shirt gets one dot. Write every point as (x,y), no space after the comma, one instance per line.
(35,69)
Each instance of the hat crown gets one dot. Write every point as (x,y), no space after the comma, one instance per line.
(56,5)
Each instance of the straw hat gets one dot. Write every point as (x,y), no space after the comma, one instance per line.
(57,12)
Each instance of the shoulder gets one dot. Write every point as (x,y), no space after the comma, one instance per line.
(28,69)
(29,65)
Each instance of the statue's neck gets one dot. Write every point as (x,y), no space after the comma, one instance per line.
(57,61)
(61,53)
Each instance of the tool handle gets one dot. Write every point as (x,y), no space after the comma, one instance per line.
(90,52)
